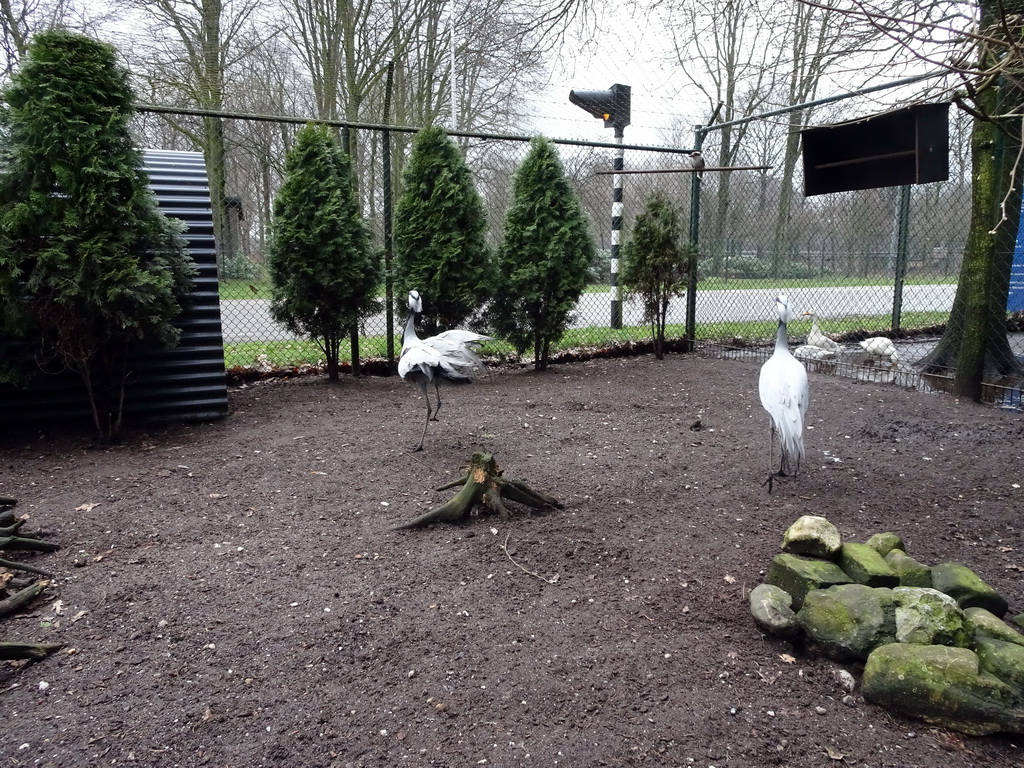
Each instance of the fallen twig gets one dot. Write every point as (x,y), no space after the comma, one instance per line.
(504,548)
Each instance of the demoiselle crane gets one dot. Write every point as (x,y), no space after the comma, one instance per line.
(450,356)
(784,394)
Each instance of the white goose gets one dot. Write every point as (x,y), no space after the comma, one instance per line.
(816,338)
(881,347)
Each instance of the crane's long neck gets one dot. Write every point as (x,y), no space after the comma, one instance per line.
(781,338)
(410,327)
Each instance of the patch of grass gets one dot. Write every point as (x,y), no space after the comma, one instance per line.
(288,354)
(244,289)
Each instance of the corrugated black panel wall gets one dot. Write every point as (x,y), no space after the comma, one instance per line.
(186,383)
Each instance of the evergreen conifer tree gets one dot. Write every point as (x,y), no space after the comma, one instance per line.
(440,235)
(655,263)
(322,272)
(89,267)
(545,255)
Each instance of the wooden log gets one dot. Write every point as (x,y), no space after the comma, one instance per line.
(28,543)
(22,598)
(9,651)
(11,565)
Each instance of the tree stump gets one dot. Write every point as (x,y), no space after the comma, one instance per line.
(483,484)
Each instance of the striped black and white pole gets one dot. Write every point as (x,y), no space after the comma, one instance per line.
(616,318)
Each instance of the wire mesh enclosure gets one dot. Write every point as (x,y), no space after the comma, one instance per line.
(876,262)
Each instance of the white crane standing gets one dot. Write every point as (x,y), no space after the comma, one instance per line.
(449,355)
(784,394)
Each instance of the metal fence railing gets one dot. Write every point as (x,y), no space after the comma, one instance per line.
(867,263)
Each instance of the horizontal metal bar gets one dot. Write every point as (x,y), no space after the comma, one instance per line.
(691,170)
(705,129)
(196,112)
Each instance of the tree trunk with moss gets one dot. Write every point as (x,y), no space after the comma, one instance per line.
(975,345)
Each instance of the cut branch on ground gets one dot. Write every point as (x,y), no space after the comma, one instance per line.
(29,592)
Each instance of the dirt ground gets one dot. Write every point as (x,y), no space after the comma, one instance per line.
(232,594)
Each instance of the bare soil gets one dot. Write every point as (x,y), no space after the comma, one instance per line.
(233,594)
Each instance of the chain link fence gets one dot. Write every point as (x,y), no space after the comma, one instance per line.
(879,262)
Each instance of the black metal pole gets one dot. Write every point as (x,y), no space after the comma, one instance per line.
(389,281)
(690,342)
(616,318)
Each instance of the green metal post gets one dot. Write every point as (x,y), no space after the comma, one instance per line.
(902,246)
(690,342)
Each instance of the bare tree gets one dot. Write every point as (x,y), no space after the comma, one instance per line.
(345,47)
(724,48)
(817,42)
(20,19)
(195,47)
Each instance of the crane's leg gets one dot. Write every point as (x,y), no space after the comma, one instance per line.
(771,462)
(426,399)
(437,391)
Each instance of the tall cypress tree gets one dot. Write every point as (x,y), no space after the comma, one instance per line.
(440,234)
(654,263)
(545,255)
(89,267)
(322,272)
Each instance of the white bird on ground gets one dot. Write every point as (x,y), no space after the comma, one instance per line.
(818,339)
(784,394)
(812,354)
(881,347)
(450,356)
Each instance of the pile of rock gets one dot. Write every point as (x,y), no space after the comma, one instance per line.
(932,639)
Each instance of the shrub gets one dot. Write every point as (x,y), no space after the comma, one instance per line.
(89,267)
(545,255)
(322,272)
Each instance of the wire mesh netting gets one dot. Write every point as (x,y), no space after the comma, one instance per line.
(874,263)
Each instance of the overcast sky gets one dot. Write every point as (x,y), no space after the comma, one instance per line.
(639,52)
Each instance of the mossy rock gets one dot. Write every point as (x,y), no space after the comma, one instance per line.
(967,588)
(911,573)
(799,575)
(848,621)
(865,566)
(943,686)
(987,623)
(884,543)
(812,536)
(1003,660)
(928,617)
(772,610)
